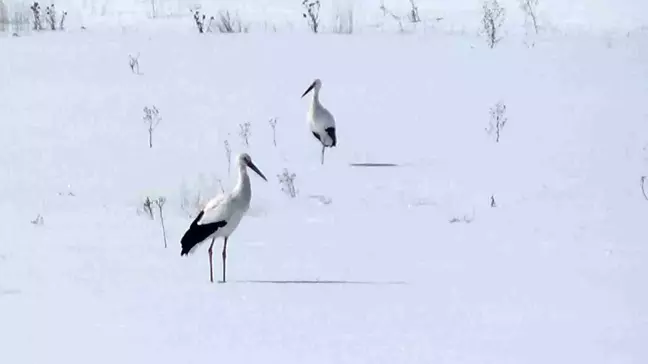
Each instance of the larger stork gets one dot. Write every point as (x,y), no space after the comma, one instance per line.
(320,120)
(222,214)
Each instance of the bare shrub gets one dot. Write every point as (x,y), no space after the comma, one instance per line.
(4,17)
(62,21)
(38,221)
(159,202)
(273,125)
(200,19)
(413,14)
(50,12)
(387,12)
(36,14)
(192,202)
(146,208)
(51,17)
(498,121)
(227,23)
(68,193)
(324,200)
(269,27)
(245,132)
(287,182)
(311,14)
(643,187)
(344,21)
(529,7)
(133,62)
(19,24)
(194,199)
(465,219)
(492,21)
(152,119)
(228,155)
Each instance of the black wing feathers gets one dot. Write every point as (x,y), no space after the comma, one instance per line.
(196,234)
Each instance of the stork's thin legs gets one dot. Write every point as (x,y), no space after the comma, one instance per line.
(323,147)
(211,266)
(224,258)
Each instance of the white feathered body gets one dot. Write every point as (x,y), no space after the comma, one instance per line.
(220,216)
(230,208)
(320,119)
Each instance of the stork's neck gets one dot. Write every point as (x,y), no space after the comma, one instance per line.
(316,100)
(243,189)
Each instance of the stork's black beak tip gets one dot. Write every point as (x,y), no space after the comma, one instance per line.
(308,89)
(256,170)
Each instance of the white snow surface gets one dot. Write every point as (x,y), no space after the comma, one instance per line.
(364,265)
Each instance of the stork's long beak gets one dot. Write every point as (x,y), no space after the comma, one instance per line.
(255,169)
(308,89)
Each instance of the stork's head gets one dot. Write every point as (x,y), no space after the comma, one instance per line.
(317,84)
(244,160)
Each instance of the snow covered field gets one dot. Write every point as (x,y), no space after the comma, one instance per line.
(365,265)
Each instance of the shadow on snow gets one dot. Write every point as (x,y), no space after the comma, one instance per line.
(320,282)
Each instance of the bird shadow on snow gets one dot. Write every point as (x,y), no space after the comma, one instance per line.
(374,165)
(9,292)
(384,283)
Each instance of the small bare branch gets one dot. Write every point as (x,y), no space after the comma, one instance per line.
(492,21)
(287,181)
(50,11)
(273,125)
(38,221)
(311,14)
(387,12)
(133,62)
(160,201)
(245,132)
(199,19)
(228,155)
(62,22)
(413,13)
(344,21)
(147,207)
(227,23)
(36,13)
(530,11)
(152,118)
(498,120)
(466,219)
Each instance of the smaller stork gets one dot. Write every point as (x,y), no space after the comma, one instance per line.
(222,214)
(320,120)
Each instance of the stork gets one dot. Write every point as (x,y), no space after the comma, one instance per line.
(320,120)
(222,214)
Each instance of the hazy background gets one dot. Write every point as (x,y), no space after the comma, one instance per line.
(605,15)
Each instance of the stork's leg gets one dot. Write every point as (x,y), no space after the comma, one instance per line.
(211,266)
(224,258)
(323,148)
